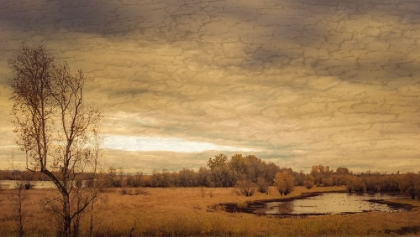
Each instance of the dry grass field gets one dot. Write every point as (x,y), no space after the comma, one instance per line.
(187,212)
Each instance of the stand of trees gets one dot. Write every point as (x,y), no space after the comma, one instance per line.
(220,172)
(248,174)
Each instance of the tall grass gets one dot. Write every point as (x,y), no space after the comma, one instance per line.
(187,212)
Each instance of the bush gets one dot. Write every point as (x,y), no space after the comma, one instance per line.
(309,181)
(24,185)
(263,185)
(308,184)
(28,185)
(245,187)
(285,183)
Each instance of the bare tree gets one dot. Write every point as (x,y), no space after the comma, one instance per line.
(53,126)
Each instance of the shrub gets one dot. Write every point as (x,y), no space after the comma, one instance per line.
(245,187)
(24,185)
(263,185)
(308,184)
(28,185)
(285,183)
(309,181)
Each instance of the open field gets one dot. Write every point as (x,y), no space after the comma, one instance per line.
(186,212)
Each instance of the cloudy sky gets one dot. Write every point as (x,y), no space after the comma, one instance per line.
(294,82)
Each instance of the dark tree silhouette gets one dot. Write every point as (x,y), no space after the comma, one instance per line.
(54,127)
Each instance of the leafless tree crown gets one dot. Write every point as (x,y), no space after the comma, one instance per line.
(54,127)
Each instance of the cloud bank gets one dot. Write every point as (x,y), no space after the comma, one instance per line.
(296,83)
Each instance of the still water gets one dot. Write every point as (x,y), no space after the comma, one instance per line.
(331,203)
(11,184)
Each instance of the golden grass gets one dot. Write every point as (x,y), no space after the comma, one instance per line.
(186,212)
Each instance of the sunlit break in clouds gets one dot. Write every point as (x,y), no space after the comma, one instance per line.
(131,143)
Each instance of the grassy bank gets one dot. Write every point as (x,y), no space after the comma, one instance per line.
(185,211)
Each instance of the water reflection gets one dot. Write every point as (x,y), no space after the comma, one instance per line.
(285,207)
(331,203)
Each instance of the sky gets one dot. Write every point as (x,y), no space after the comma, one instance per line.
(294,82)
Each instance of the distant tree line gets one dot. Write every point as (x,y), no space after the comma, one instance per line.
(408,183)
(250,174)
(219,172)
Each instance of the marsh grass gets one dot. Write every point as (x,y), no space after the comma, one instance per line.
(187,212)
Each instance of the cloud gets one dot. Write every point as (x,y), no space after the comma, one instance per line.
(295,82)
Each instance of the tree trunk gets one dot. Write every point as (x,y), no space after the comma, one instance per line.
(66,215)
(91,214)
(20,212)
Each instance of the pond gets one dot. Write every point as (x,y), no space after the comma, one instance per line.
(11,184)
(323,204)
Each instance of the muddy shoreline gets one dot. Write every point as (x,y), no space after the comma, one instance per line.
(254,207)
(406,207)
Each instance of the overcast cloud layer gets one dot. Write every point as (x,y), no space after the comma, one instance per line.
(295,82)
